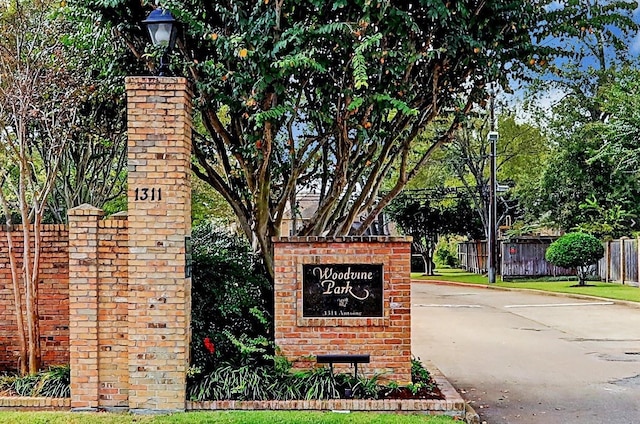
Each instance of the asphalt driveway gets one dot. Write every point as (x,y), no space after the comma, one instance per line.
(521,357)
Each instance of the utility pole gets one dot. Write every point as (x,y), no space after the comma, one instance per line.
(493,140)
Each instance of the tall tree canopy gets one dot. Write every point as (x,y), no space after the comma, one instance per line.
(582,185)
(425,215)
(329,96)
(520,153)
(586,39)
(591,183)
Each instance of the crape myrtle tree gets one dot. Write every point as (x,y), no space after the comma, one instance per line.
(590,40)
(93,166)
(328,96)
(38,104)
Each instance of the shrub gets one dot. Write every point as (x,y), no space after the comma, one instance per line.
(232,301)
(576,251)
(447,252)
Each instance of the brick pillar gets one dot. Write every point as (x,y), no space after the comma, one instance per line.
(159,148)
(83,306)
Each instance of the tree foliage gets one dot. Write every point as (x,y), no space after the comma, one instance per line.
(329,96)
(582,185)
(575,250)
(591,182)
(93,167)
(231,316)
(619,130)
(426,217)
(520,153)
(585,39)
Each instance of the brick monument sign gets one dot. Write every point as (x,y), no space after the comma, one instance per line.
(345,296)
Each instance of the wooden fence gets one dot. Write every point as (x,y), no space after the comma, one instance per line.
(620,262)
(524,257)
(473,256)
(517,258)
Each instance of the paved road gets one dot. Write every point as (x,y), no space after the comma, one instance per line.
(525,358)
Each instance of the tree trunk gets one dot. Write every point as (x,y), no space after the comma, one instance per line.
(17,293)
(17,299)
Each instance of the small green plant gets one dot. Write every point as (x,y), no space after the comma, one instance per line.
(418,371)
(578,251)
(414,388)
(24,386)
(320,383)
(230,382)
(54,382)
(6,382)
(366,388)
(420,375)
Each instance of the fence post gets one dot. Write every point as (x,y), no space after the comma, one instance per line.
(607,275)
(638,258)
(623,270)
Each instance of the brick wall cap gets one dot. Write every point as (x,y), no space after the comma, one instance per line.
(119,215)
(344,239)
(86,209)
(155,81)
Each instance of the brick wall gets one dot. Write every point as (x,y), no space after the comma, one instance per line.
(386,338)
(53,292)
(118,291)
(113,298)
(99,300)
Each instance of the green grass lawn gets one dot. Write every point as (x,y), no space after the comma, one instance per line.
(222,417)
(605,290)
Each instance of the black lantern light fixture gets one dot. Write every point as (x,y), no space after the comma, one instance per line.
(163,29)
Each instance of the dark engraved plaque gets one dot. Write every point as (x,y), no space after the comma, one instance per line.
(342,291)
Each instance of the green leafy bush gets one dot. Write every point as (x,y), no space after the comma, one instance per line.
(447,252)
(575,251)
(420,375)
(267,382)
(232,302)
(55,382)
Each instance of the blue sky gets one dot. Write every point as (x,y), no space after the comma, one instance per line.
(635,46)
(549,98)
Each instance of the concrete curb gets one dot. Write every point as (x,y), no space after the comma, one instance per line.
(471,416)
(542,292)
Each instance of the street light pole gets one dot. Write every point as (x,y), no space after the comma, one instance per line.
(493,139)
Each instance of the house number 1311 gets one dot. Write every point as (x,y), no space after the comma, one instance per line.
(150,194)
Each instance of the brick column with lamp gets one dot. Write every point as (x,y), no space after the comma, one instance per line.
(159,222)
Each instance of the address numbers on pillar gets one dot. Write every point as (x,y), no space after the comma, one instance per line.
(147,194)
